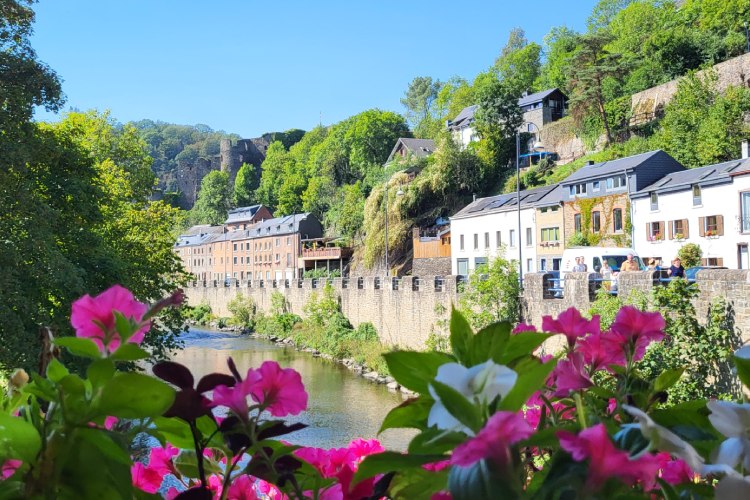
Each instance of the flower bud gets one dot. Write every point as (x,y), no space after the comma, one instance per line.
(19,378)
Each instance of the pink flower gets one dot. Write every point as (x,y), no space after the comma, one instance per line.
(674,471)
(280,390)
(571,324)
(270,491)
(93,317)
(160,459)
(606,461)
(601,350)
(523,327)
(110,422)
(639,328)
(172,493)
(215,484)
(570,375)
(611,406)
(242,488)
(361,448)
(328,462)
(235,397)
(441,495)
(9,468)
(145,478)
(437,466)
(503,429)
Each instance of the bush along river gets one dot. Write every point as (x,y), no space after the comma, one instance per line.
(341,405)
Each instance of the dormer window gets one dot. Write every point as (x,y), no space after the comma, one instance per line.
(578,189)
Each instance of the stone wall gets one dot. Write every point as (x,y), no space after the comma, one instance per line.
(433,266)
(404,311)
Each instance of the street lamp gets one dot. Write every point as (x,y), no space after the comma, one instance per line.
(400,192)
(536,147)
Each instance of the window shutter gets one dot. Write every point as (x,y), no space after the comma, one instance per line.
(661,230)
(720,261)
(703,262)
(702,227)
(670,229)
(720,225)
(648,230)
(685,229)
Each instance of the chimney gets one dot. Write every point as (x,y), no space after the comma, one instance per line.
(589,162)
(473,197)
(745,149)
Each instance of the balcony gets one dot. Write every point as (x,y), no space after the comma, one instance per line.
(326,253)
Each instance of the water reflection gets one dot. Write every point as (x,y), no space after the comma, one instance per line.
(341,407)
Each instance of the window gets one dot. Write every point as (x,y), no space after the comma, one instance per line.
(745,212)
(577,223)
(596,185)
(655,231)
(712,261)
(461,244)
(542,264)
(235,260)
(556,263)
(713,225)
(498,240)
(529,265)
(247,246)
(554,209)
(678,229)
(577,189)
(479,261)
(288,240)
(654,201)
(596,221)
(462,266)
(697,196)
(476,241)
(235,247)
(486,240)
(615,182)
(512,237)
(550,234)
(529,236)
(288,260)
(278,241)
(617,220)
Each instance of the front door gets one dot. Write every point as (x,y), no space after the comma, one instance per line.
(743,259)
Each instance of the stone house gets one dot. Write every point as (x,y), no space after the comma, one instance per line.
(597,196)
(488,227)
(708,206)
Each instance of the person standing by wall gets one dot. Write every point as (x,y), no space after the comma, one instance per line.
(676,270)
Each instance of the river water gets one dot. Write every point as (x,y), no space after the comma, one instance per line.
(341,405)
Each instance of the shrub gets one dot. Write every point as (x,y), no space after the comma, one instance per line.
(243,311)
(492,293)
(201,314)
(690,254)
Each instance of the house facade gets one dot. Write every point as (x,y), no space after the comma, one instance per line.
(432,249)
(550,231)
(708,206)
(488,228)
(244,217)
(597,197)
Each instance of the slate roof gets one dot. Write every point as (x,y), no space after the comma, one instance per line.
(709,175)
(464,119)
(242,214)
(535,97)
(203,229)
(617,166)
(421,148)
(186,240)
(507,201)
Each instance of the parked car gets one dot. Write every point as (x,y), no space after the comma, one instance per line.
(691,272)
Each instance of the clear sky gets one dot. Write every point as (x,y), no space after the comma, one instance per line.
(251,67)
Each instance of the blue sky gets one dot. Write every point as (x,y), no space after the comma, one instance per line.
(251,67)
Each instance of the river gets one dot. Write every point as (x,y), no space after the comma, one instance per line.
(341,405)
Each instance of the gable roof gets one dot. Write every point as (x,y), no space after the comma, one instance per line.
(617,166)
(202,229)
(464,119)
(709,175)
(421,148)
(242,214)
(536,97)
(505,202)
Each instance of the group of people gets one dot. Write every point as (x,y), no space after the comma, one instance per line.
(629,264)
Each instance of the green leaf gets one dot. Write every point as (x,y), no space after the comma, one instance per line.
(187,464)
(103,441)
(667,379)
(124,326)
(175,431)
(56,371)
(412,413)
(86,348)
(743,370)
(134,395)
(488,343)
(520,344)
(461,337)
(415,370)
(129,352)
(458,406)
(18,439)
(435,441)
(391,461)
(100,371)
(529,380)
(481,482)
(417,484)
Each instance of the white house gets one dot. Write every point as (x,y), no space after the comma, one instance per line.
(709,206)
(488,227)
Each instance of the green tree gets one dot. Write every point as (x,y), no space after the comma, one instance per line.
(245,184)
(592,67)
(272,174)
(492,294)
(603,13)
(418,101)
(213,199)
(559,45)
(518,64)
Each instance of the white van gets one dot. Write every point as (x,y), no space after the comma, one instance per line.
(594,256)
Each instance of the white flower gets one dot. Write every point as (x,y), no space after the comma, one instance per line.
(732,420)
(480,384)
(666,440)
